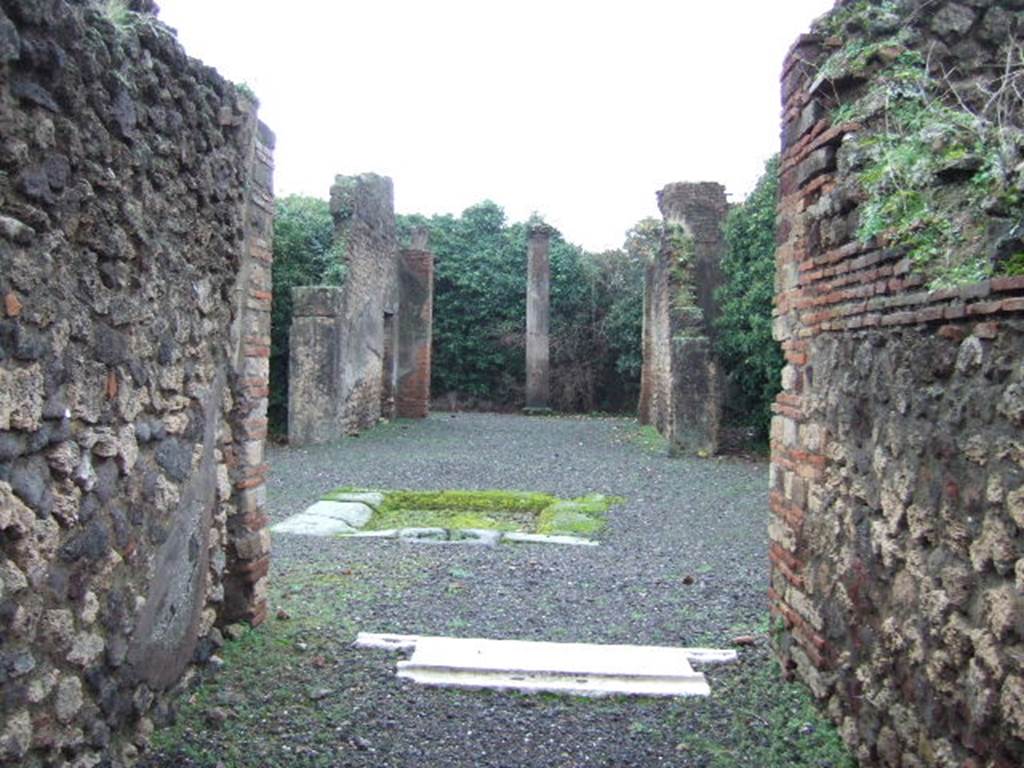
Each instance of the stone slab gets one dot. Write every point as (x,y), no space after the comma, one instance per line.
(372,499)
(312,525)
(541,538)
(353,514)
(481,536)
(387,533)
(423,534)
(575,668)
(399,642)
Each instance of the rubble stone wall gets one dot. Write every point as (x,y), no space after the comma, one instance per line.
(681,382)
(135,218)
(897,480)
(364,216)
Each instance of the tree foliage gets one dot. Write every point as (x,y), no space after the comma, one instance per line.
(480,314)
(480,308)
(751,358)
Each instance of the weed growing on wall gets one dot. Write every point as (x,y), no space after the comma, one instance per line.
(941,174)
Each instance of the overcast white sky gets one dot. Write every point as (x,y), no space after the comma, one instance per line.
(580,110)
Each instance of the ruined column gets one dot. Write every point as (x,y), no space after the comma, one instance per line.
(314,373)
(364,221)
(415,334)
(682,390)
(538,316)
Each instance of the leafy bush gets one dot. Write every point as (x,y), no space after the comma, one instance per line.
(752,360)
(480,315)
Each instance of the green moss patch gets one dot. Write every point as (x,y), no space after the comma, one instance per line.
(521,511)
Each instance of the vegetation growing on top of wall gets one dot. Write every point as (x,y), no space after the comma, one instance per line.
(939,163)
(752,361)
(684,298)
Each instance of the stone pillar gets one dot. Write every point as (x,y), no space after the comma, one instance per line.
(314,373)
(248,552)
(681,391)
(364,225)
(415,334)
(538,316)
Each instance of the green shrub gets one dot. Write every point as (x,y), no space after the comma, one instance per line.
(752,360)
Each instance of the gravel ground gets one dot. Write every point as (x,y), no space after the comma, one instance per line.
(682,562)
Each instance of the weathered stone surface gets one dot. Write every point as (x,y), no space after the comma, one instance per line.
(313,525)
(135,286)
(896,480)
(372,499)
(343,364)
(681,386)
(314,367)
(364,220)
(415,329)
(423,534)
(353,513)
(538,317)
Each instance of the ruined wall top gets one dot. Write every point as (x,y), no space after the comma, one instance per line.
(699,206)
(420,240)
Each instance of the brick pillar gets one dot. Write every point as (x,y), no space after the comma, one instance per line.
(248,550)
(415,333)
(314,377)
(538,316)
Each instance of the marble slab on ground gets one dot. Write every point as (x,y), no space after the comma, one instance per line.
(326,518)
(575,668)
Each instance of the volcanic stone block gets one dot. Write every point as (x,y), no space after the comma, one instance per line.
(538,318)
(314,375)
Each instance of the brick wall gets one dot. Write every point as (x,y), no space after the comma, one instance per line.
(897,474)
(416,317)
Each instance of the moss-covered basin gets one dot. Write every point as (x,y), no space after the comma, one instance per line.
(520,511)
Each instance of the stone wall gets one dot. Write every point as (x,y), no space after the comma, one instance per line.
(538,318)
(362,352)
(135,216)
(681,382)
(314,366)
(897,481)
(364,216)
